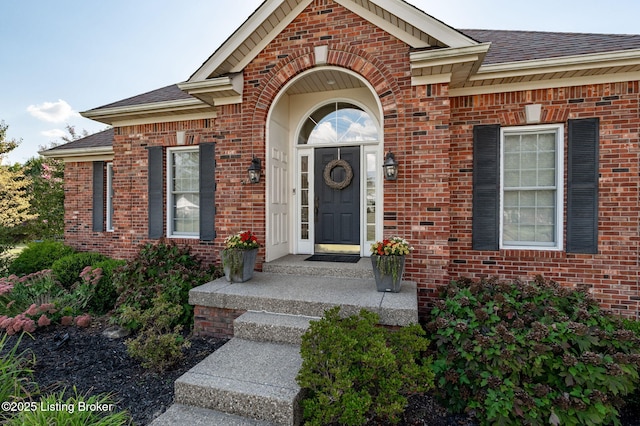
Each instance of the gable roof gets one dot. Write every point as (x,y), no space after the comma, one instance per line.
(100,143)
(401,19)
(472,61)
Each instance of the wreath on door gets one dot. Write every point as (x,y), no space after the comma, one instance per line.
(344,182)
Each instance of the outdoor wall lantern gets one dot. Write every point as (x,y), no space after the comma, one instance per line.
(254,170)
(390,167)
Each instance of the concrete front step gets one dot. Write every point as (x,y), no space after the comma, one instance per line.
(309,296)
(179,414)
(271,327)
(246,378)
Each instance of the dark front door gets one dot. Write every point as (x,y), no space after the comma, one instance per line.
(337,200)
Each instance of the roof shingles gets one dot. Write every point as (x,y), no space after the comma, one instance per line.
(103,139)
(506,46)
(516,46)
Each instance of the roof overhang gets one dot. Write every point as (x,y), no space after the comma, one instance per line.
(184,109)
(216,91)
(450,65)
(553,72)
(80,154)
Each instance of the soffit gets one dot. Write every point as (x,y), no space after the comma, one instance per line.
(554,72)
(152,112)
(324,80)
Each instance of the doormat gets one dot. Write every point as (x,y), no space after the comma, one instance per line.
(342,258)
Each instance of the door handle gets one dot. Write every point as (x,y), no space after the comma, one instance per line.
(316,207)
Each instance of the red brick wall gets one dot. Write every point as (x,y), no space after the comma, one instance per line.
(214,322)
(430,133)
(612,274)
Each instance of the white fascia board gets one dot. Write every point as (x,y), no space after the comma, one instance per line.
(450,53)
(450,56)
(243,33)
(565,63)
(80,154)
(545,84)
(205,86)
(108,115)
(426,23)
(216,89)
(382,23)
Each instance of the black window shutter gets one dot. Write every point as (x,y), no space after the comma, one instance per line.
(486,187)
(155,180)
(207,191)
(582,186)
(98,196)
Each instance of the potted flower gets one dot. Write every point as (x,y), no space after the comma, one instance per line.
(387,259)
(239,256)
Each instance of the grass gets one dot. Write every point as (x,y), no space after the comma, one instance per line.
(16,383)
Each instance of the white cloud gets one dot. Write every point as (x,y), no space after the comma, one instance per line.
(54,133)
(53,112)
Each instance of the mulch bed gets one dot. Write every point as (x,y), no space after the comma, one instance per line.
(95,364)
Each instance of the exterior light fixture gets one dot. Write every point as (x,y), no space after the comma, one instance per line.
(390,167)
(255,170)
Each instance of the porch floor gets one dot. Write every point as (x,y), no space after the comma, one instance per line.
(294,286)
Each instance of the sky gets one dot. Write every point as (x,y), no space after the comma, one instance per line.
(61,57)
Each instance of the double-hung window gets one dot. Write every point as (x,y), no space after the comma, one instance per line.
(532,187)
(183,196)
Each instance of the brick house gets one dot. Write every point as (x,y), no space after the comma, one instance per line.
(517,151)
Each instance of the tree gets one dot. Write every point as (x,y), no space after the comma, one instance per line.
(47,188)
(15,198)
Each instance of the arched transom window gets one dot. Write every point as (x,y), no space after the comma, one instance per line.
(336,123)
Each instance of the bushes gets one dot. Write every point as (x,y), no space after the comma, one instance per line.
(105,296)
(158,345)
(164,269)
(39,256)
(532,353)
(68,268)
(355,371)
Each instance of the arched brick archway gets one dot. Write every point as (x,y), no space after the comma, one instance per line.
(370,68)
(381,90)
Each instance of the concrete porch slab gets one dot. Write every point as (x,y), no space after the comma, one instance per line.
(310,296)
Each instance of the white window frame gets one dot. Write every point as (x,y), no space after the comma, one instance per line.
(170,193)
(558,129)
(110,193)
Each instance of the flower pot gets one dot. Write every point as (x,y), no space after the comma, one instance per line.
(387,271)
(238,265)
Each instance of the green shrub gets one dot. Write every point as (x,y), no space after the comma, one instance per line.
(355,371)
(162,269)
(54,409)
(158,345)
(16,376)
(68,268)
(632,325)
(39,256)
(105,295)
(531,353)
